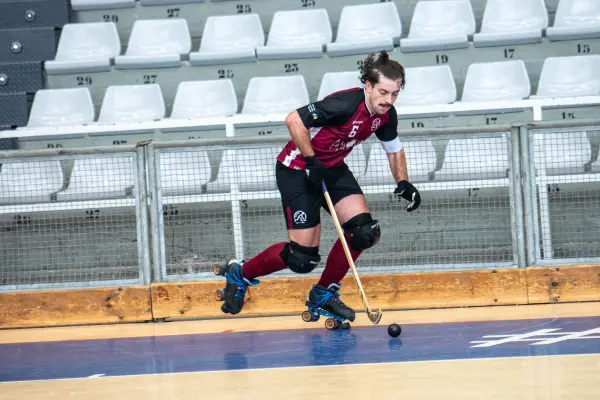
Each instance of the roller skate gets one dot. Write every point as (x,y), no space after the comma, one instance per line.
(326,301)
(235,290)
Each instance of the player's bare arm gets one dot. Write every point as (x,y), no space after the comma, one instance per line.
(299,133)
(398,165)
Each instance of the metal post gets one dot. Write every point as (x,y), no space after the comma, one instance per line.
(517,198)
(529,206)
(141,208)
(155,216)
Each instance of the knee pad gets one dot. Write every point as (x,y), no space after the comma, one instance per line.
(300,259)
(364,231)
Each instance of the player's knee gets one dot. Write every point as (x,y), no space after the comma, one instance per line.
(300,259)
(364,231)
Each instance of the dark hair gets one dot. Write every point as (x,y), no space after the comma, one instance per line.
(371,68)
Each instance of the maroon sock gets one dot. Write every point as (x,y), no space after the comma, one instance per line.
(265,263)
(337,264)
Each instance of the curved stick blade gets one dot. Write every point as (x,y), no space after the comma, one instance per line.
(375,317)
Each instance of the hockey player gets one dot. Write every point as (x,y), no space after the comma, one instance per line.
(322,134)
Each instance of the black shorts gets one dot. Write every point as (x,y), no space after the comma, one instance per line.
(302,202)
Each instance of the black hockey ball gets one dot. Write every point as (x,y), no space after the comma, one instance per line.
(394,330)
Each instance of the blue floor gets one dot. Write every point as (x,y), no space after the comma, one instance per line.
(295,348)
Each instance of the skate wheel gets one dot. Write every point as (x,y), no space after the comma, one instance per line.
(307,316)
(217,269)
(345,325)
(337,324)
(330,324)
(225,309)
(219,295)
(316,317)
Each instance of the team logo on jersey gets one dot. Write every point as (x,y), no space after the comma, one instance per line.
(375,124)
(300,217)
(313,111)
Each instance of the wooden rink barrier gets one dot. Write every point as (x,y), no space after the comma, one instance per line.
(280,296)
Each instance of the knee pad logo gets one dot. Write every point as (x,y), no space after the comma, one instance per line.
(300,217)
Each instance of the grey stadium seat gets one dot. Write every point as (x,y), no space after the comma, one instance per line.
(229,39)
(184,172)
(100,178)
(575,19)
(358,35)
(336,81)
(132,103)
(275,94)
(427,85)
(502,80)
(85,47)
(52,107)
(156,43)
(440,25)
(29,182)
(213,98)
(561,153)
(297,34)
(512,22)
(559,80)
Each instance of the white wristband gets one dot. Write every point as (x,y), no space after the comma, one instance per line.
(393,146)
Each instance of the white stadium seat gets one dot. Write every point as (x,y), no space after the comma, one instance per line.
(252,169)
(420,161)
(229,39)
(336,81)
(99,178)
(575,19)
(85,47)
(559,80)
(428,85)
(512,22)
(29,182)
(561,153)
(359,32)
(213,98)
(477,158)
(156,43)
(275,94)
(297,34)
(440,25)
(132,103)
(53,107)
(502,80)
(184,172)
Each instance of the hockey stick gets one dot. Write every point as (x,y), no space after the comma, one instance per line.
(374,316)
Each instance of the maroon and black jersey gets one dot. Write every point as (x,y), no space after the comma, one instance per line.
(337,124)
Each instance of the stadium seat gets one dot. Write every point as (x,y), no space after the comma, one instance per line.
(428,85)
(357,161)
(158,43)
(559,80)
(29,182)
(275,94)
(252,169)
(596,167)
(99,178)
(184,172)
(440,25)
(359,35)
(575,19)
(477,158)
(420,162)
(214,98)
(53,107)
(229,39)
(85,47)
(503,80)
(132,103)
(297,34)
(336,81)
(561,153)
(512,22)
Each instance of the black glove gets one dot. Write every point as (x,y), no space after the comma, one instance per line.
(317,172)
(407,191)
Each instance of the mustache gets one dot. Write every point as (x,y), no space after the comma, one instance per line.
(385,104)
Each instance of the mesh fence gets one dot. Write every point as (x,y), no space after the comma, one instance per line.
(68,220)
(567,176)
(224,203)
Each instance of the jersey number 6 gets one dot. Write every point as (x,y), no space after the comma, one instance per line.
(354,131)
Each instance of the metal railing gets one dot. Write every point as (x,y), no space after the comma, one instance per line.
(493,197)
